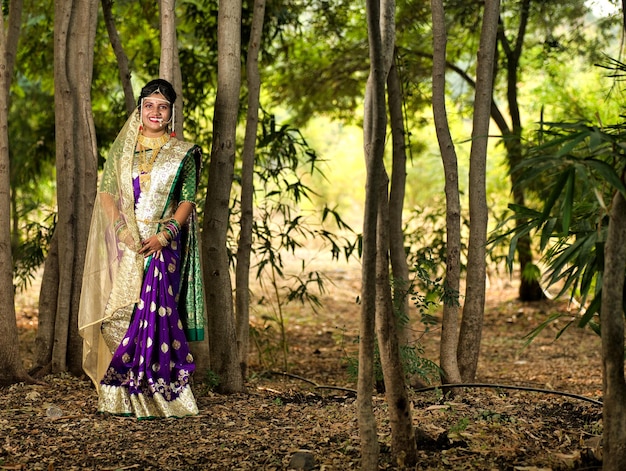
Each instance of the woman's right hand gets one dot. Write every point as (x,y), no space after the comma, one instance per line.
(125,237)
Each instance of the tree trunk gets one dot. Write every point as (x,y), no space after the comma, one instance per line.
(403,444)
(612,322)
(247,186)
(122,59)
(530,289)
(222,337)
(399,266)
(48,296)
(168,39)
(473,310)
(76,156)
(11,368)
(450,323)
(402,432)
(374,124)
(169,67)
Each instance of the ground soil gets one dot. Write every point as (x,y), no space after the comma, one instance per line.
(307,418)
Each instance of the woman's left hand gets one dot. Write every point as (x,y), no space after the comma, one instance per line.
(151,246)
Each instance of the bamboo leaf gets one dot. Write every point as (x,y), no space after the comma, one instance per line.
(568,203)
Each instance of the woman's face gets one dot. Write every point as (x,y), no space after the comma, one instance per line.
(156,113)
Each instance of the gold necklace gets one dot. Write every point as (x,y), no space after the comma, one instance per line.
(145,165)
(153,142)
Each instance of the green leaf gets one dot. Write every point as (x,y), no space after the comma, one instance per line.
(608,173)
(556,192)
(568,203)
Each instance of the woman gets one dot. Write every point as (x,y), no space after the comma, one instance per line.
(142,298)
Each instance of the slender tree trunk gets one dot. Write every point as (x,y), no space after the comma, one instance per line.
(222,336)
(529,289)
(169,67)
(612,321)
(74,36)
(390,247)
(247,186)
(11,367)
(122,59)
(399,266)
(168,39)
(473,310)
(47,307)
(403,444)
(450,324)
(374,124)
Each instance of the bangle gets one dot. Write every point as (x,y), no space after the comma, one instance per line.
(119,226)
(172,227)
(163,239)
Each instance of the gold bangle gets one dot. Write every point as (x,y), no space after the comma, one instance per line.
(163,239)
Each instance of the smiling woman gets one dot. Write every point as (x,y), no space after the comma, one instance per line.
(142,297)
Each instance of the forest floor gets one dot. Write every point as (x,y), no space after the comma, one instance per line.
(307,419)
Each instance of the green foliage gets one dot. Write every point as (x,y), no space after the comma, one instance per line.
(411,358)
(282,225)
(211,380)
(29,255)
(579,166)
(425,293)
(460,426)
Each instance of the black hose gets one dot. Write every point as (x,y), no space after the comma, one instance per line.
(504,386)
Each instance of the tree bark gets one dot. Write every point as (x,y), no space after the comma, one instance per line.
(374,124)
(450,324)
(76,156)
(11,367)
(222,337)
(120,55)
(402,433)
(168,39)
(612,322)
(47,307)
(529,289)
(399,266)
(403,444)
(169,67)
(244,248)
(474,307)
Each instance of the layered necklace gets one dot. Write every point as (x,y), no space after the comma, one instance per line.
(145,163)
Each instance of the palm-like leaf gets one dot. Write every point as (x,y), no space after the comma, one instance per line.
(575,171)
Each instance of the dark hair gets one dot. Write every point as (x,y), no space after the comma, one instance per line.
(161,85)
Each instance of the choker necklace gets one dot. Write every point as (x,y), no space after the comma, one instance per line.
(145,165)
(153,142)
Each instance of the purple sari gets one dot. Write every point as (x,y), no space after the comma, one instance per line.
(150,370)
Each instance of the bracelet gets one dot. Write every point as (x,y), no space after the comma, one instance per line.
(119,226)
(162,238)
(172,227)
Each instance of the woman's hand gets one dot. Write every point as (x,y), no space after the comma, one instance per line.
(153,245)
(124,236)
